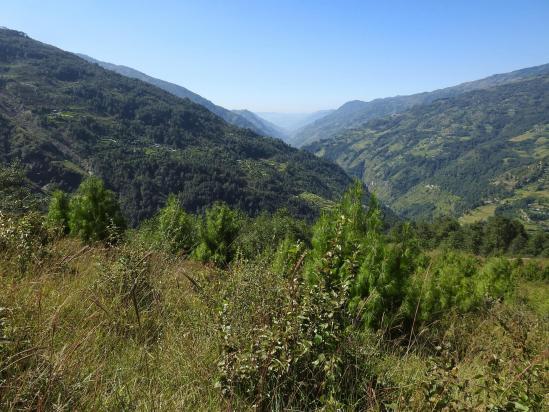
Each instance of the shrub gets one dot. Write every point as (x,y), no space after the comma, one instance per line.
(262,234)
(94,212)
(24,237)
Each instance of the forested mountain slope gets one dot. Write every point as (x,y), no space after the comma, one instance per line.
(65,118)
(355,113)
(229,116)
(267,128)
(485,151)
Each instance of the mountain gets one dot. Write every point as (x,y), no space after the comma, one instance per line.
(259,123)
(292,122)
(474,154)
(229,116)
(355,113)
(64,118)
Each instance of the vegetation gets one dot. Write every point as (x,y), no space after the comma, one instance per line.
(356,113)
(495,236)
(342,317)
(220,294)
(66,119)
(484,150)
(239,118)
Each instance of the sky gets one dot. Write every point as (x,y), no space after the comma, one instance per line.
(296,55)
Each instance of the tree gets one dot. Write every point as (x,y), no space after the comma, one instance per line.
(94,212)
(175,227)
(217,235)
(58,211)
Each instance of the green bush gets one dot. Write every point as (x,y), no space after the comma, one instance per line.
(94,212)
(262,234)
(217,236)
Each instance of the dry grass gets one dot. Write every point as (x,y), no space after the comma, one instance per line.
(77,335)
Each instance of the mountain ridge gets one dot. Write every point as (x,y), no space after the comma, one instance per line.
(477,153)
(64,119)
(356,112)
(230,116)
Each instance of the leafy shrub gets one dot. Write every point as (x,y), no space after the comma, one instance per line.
(94,212)
(218,232)
(24,237)
(301,353)
(262,234)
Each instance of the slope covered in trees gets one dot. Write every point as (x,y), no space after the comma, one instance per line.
(65,119)
(220,311)
(355,113)
(230,116)
(268,128)
(481,151)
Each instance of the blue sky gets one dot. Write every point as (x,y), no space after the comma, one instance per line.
(300,55)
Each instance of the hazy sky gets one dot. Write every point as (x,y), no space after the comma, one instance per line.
(296,55)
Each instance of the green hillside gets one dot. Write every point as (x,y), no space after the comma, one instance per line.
(230,116)
(65,118)
(475,154)
(355,113)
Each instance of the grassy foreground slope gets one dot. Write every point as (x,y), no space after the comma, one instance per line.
(343,318)
(485,150)
(65,118)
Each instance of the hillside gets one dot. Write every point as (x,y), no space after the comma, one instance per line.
(229,116)
(65,119)
(355,113)
(483,151)
(268,128)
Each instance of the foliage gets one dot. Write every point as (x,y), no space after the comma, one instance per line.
(496,236)
(135,327)
(379,270)
(301,354)
(262,235)
(23,237)
(482,147)
(143,142)
(58,212)
(94,213)
(176,228)
(217,236)
(455,282)
(16,194)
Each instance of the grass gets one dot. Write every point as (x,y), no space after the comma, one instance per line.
(480,213)
(77,335)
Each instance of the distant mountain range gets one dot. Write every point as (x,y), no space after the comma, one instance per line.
(355,113)
(474,150)
(292,122)
(239,118)
(64,119)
